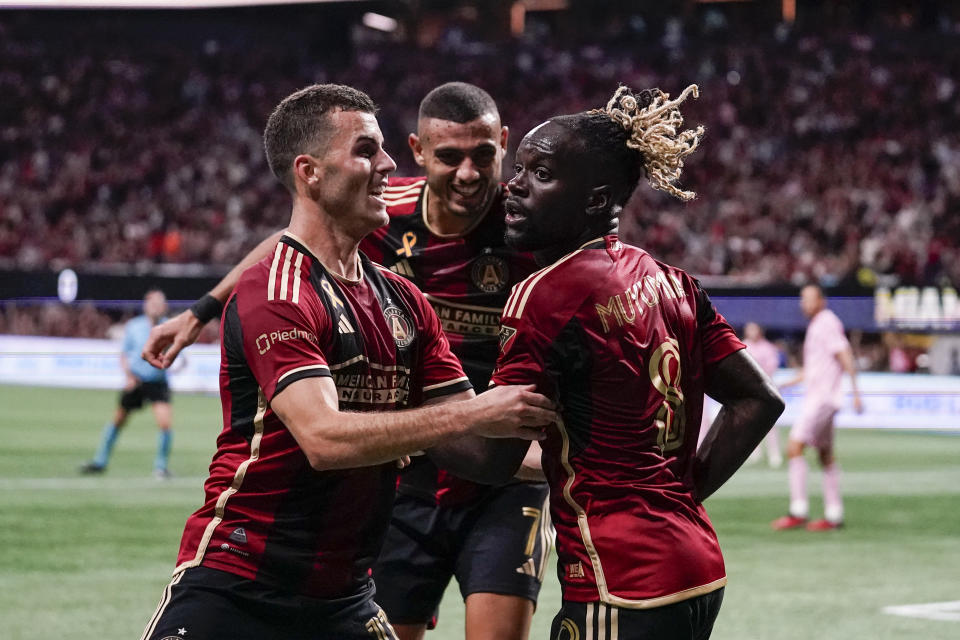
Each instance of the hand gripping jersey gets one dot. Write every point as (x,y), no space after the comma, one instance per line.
(269,516)
(467,279)
(622,341)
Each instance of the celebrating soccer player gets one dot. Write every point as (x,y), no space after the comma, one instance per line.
(446,234)
(627,345)
(319,348)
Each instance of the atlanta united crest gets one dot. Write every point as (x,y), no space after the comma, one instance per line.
(401,327)
(490,273)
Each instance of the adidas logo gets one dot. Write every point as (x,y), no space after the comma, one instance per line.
(344,325)
(527,568)
(239,535)
(403,268)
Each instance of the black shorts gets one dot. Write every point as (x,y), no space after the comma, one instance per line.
(685,620)
(145,391)
(205,603)
(498,544)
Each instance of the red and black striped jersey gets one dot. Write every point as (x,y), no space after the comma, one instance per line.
(268,515)
(622,341)
(467,279)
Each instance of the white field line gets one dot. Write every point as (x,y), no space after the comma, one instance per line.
(946,611)
(96,484)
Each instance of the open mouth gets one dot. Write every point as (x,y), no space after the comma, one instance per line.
(514,212)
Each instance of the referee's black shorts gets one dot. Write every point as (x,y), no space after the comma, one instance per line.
(203,603)
(144,392)
(685,620)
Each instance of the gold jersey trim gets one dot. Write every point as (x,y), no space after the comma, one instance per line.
(584,526)
(299,369)
(440,385)
(521,292)
(234,486)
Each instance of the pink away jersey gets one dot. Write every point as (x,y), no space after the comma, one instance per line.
(766,355)
(822,371)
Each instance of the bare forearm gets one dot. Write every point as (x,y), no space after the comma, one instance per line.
(223,288)
(478,459)
(737,430)
(343,440)
(751,406)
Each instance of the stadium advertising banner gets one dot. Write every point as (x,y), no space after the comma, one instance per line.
(892,401)
(95,364)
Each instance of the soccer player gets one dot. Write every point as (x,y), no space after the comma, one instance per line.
(144,383)
(319,348)
(446,234)
(627,346)
(826,356)
(768,357)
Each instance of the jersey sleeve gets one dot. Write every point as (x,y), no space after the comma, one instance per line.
(523,356)
(716,335)
(280,342)
(835,340)
(442,372)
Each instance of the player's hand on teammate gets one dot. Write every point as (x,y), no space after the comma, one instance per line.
(513,411)
(169,338)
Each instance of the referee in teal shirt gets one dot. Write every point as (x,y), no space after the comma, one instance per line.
(144,383)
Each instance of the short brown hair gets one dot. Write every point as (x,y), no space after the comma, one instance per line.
(297,125)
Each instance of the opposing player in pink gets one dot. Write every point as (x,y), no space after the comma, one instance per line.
(768,357)
(826,356)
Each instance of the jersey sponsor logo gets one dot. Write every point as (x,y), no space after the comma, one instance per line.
(360,388)
(401,327)
(465,319)
(266,340)
(665,376)
(490,273)
(239,535)
(647,292)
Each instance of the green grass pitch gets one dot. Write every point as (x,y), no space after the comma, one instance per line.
(87,557)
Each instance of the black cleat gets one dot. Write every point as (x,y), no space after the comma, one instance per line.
(91,468)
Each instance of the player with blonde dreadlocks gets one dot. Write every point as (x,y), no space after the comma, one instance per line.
(627,346)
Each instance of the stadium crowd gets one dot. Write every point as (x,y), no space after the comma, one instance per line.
(828,157)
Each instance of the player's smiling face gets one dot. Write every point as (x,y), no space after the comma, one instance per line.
(548,196)
(462,161)
(352,172)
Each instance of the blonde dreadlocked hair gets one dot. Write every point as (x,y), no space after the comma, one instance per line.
(651,120)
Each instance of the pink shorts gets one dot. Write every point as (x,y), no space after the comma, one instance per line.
(815,425)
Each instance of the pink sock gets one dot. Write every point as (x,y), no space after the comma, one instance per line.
(832,502)
(799,506)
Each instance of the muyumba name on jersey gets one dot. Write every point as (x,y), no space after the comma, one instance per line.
(643,294)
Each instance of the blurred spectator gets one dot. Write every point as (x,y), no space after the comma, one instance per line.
(830,156)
